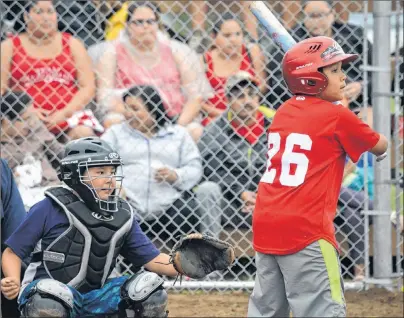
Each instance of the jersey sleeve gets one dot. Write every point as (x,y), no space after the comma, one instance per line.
(354,135)
(31,230)
(138,248)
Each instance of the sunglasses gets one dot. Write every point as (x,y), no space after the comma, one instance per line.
(141,22)
(318,15)
(239,92)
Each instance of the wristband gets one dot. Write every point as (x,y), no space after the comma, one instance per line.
(381,157)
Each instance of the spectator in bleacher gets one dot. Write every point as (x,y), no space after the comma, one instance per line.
(351,204)
(12,214)
(228,55)
(320,20)
(234,149)
(114,16)
(115,13)
(81,19)
(293,11)
(162,165)
(141,58)
(355,178)
(31,150)
(54,68)
(351,222)
(198,10)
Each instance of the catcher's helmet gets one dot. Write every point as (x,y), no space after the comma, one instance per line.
(301,63)
(85,153)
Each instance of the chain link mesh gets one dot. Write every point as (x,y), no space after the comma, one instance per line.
(78,86)
(397,164)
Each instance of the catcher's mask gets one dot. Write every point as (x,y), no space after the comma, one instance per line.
(76,171)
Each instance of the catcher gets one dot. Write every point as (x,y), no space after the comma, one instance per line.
(74,237)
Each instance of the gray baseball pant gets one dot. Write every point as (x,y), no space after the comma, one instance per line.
(307,283)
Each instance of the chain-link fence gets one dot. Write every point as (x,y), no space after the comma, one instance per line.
(397,163)
(77,79)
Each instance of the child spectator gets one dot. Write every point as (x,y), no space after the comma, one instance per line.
(163,166)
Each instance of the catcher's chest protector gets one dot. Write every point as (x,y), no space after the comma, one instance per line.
(85,254)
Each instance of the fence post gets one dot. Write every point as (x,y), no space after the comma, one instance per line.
(381,105)
(397,136)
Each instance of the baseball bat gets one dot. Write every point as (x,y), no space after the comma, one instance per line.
(275,29)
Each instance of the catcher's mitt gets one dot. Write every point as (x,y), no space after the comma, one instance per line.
(197,255)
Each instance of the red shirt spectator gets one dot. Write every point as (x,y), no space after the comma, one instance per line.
(218,83)
(228,56)
(50,82)
(54,68)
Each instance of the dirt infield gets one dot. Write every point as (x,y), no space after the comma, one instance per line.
(372,303)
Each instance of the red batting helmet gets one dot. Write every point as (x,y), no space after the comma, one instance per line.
(301,63)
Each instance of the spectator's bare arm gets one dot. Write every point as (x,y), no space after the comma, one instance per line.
(189,80)
(105,70)
(85,75)
(259,63)
(6,56)
(250,21)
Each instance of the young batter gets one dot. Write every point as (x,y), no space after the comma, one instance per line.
(297,261)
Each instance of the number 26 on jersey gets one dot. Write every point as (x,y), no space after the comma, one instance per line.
(288,158)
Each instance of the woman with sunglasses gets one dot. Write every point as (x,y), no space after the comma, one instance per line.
(140,57)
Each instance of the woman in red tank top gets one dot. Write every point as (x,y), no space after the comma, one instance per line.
(228,56)
(54,68)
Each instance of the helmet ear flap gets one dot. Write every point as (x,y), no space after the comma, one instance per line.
(66,174)
(311,83)
(323,82)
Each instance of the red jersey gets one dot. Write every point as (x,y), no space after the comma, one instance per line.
(50,82)
(219,83)
(297,196)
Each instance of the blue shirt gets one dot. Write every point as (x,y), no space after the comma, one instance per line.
(366,156)
(11,206)
(46,221)
(361,161)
